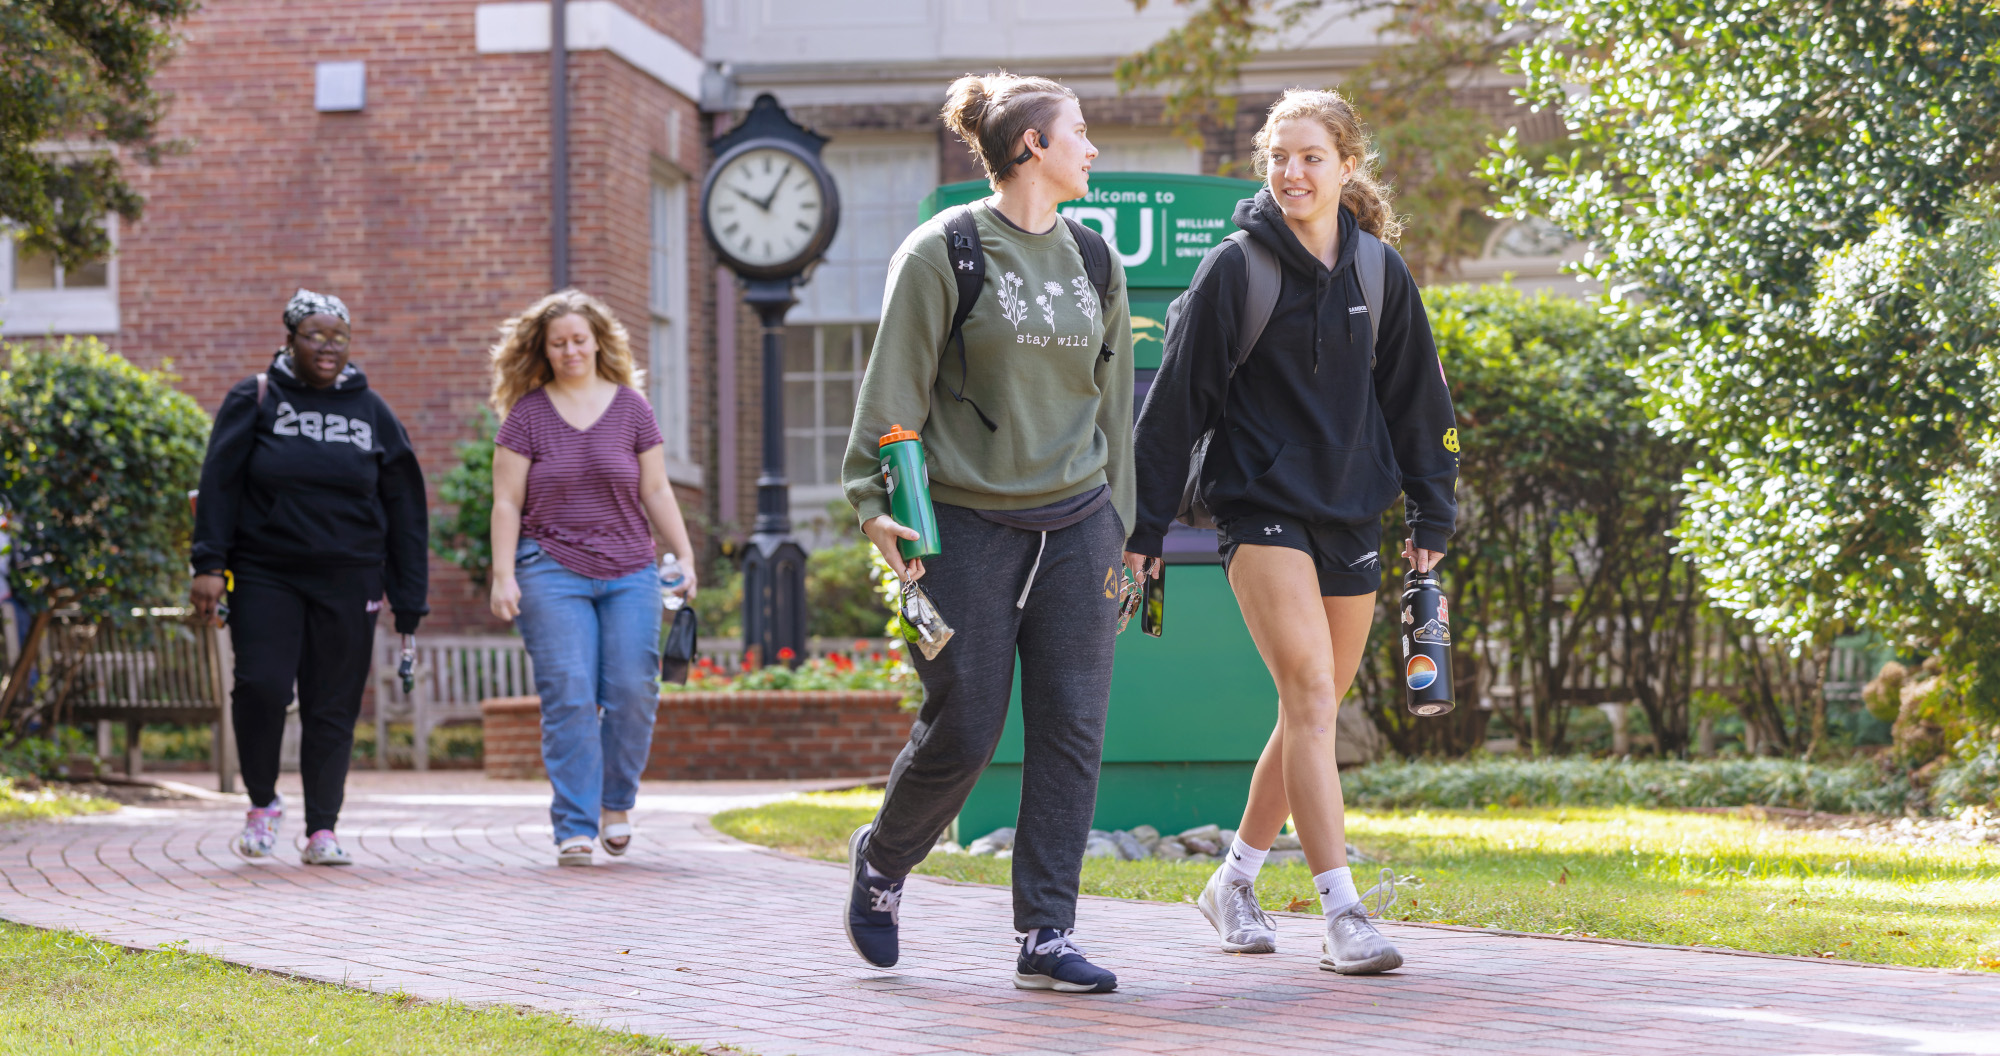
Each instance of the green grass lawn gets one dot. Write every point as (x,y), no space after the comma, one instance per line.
(62,993)
(18,804)
(1620,872)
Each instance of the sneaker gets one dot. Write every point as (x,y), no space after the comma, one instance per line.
(260,831)
(872,906)
(1231,905)
(1354,947)
(1050,961)
(323,849)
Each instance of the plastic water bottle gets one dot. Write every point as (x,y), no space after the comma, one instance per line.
(1426,645)
(672,578)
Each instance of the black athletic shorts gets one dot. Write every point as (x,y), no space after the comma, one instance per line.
(1348,557)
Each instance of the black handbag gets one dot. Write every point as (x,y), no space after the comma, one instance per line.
(677,654)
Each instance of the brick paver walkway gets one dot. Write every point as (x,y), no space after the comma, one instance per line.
(699,938)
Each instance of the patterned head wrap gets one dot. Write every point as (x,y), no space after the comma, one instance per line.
(306,302)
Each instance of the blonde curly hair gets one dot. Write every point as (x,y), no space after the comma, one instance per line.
(1363,193)
(520,357)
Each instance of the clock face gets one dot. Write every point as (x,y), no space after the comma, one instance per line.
(766,207)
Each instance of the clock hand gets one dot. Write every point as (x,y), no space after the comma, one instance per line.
(746,197)
(775,188)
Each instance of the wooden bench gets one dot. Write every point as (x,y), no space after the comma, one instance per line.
(152,666)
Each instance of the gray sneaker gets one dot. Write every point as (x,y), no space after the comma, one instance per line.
(1354,947)
(1231,905)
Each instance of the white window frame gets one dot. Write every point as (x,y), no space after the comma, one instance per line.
(41,313)
(809,498)
(668,376)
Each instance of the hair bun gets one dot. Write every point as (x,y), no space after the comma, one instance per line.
(966,105)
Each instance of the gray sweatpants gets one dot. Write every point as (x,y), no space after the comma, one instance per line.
(1064,633)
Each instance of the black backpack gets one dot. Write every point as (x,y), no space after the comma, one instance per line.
(968,266)
(1259,301)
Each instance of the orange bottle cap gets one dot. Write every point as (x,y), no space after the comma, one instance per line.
(896,434)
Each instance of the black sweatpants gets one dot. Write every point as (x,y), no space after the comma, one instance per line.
(315,630)
(1064,634)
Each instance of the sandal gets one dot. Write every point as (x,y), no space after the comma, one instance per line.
(617,837)
(576,850)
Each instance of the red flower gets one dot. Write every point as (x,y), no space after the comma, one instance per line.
(750,658)
(860,646)
(785,654)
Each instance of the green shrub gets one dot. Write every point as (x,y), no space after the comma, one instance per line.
(96,459)
(1855,788)
(465,536)
(881,671)
(843,599)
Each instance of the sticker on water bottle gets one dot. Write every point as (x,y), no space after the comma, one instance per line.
(1422,672)
(1433,632)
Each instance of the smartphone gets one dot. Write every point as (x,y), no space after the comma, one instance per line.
(1153,606)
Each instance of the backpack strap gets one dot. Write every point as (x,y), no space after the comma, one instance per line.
(1370,260)
(968,269)
(1097,265)
(1260,299)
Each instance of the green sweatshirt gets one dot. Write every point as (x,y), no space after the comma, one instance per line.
(1032,364)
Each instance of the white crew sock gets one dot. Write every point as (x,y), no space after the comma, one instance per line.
(1243,861)
(1336,890)
(872,873)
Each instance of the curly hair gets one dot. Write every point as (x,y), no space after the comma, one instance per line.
(1363,193)
(520,357)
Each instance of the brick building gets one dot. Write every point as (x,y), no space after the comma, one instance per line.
(398,153)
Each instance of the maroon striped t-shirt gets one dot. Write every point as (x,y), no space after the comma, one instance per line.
(583,484)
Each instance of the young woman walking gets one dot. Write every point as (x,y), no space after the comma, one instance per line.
(1316,432)
(580,500)
(1026,427)
(312,501)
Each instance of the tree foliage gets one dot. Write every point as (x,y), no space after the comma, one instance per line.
(1785,186)
(465,536)
(1562,575)
(74,81)
(1410,94)
(96,461)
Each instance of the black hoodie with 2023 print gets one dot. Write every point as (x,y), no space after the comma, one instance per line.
(1305,428)
(314,480)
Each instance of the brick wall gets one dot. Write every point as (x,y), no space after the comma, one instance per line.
(730,736)
(427,212)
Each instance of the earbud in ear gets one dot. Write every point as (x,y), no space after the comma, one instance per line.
(1044,137)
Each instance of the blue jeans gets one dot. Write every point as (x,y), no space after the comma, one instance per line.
(596,648)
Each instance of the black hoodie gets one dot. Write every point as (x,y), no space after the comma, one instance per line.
(314,480)
(1308,430)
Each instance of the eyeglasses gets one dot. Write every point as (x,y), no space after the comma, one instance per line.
(322,339)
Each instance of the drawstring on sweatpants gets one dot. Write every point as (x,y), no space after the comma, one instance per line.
(1022,601)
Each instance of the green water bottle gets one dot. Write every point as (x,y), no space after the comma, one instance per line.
(909,484)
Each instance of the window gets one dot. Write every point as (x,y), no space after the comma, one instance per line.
(39,296)
(823,367)
(668,377)
(881,181)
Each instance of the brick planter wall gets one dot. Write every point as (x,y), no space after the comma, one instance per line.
(729,736)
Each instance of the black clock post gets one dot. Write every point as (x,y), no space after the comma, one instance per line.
(774,569)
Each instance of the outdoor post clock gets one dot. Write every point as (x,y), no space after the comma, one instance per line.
(770,208)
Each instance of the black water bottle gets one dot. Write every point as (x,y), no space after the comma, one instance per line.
(1426,645)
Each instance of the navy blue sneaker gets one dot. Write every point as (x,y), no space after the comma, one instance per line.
(1050,961)
(871,906)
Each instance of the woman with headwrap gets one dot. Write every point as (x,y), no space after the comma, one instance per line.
(312,502)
